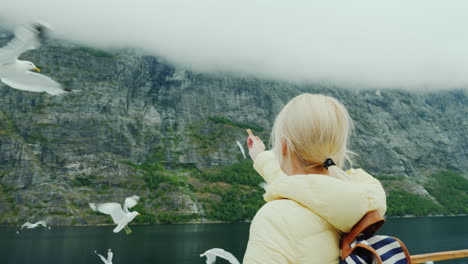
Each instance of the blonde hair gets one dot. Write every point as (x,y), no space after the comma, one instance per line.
(315,127)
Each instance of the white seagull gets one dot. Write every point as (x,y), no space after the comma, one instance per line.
(263,185)
(31,226)
(120,216)
(17,73)
(211,255)
(241,149)
(109,256)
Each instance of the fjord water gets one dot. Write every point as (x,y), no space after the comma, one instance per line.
(182,244)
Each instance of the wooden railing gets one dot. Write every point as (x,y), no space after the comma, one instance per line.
(438,256)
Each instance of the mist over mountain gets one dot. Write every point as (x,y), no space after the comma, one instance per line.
(416,45)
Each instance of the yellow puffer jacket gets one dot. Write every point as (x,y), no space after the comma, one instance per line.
(305,215)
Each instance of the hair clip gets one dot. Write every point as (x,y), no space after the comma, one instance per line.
(328,162)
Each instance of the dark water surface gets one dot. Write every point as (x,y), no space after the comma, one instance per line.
(182,244)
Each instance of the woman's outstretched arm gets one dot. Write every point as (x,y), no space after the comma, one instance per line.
(268,166)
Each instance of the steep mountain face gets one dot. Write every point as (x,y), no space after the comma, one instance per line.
(59,153)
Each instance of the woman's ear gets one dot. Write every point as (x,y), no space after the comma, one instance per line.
(284,148)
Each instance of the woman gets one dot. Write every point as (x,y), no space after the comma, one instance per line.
(306,213)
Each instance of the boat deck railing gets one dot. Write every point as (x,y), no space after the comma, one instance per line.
(439,256)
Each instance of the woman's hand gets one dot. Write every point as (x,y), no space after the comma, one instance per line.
(255,145)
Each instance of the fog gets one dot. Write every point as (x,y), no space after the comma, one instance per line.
(419,44)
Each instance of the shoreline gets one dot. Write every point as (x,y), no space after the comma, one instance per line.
(431,216)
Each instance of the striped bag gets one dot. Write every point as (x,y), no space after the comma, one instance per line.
(362,246)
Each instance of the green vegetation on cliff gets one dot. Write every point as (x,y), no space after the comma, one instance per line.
(223,120)
(241,172)
(154,172)
(450,190)
(401,203)
(241,199)
(237,204)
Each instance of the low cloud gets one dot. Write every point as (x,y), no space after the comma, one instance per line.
(394,44)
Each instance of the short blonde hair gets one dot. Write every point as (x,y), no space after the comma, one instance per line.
(315,127)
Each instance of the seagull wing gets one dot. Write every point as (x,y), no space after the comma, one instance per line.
(27,225)
(33,82)
(27,37)
(225,255)
(102,258)
(210,257)
(93,206)
(109,256)
(122,224)
(130,202)
(112,209)
(263,185)
(241,148)
(43,223)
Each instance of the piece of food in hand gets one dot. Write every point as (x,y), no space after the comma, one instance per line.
(250,138)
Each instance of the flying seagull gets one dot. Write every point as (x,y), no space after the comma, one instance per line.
(120,216)
(241,148)
(31,226)
(211,255)
(17,73)
(109,256)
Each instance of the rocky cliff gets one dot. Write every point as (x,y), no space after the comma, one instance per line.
(132,115)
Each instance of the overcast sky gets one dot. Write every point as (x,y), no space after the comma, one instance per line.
(417,44)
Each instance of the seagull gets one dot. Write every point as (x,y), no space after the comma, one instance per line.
(31,226)
(17,73)
(119,216)
(211,255)
(241,148)
(263,185)
(109,256)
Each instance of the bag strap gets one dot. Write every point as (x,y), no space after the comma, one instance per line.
(368,225)
(377,256)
